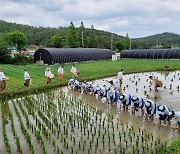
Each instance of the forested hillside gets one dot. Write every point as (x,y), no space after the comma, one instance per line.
(164,40)
(41,35)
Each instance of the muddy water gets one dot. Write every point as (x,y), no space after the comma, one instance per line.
(137,84)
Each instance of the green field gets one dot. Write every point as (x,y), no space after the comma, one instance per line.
(88,71)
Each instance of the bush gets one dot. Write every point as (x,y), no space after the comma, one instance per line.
(22,59)
(5,57)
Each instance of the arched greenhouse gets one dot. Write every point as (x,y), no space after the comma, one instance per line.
(151,54)
(66,55)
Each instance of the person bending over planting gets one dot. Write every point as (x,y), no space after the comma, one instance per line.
(164,113)
(149,109)
(136,103)
(112,95)
(176,117)
(125,99)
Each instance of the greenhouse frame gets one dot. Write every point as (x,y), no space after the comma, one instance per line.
(151,54)
(67,55)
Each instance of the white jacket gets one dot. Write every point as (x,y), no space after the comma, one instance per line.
(2,76)
(60,70)
(73,70)
(26,75)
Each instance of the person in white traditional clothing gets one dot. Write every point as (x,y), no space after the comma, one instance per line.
(26,78)
(61,74)
(120,76)
(2,81)
(49,76)
(74,71)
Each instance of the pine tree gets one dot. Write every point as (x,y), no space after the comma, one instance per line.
(72,39)
(92,38)
(83,40)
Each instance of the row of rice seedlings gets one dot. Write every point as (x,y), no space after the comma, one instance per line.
(16,137)
(33,128)
(6,142)
(23,129)
(43,129)
(51,126)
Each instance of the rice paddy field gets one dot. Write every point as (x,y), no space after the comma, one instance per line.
(66,121)
(54,122)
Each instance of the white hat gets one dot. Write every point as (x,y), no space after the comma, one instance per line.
(172,113)
(161,108)
(98,88)
(148,103)
(121,97)
(134,98)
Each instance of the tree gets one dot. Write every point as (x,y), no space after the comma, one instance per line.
(56,41)
(4,52)
(123,43)
(126,41)
(92,38)
(72,39)
(17,39)
(83,40)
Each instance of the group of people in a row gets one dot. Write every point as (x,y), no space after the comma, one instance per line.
(48,75)
(112,92)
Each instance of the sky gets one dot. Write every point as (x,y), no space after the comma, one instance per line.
(138,18)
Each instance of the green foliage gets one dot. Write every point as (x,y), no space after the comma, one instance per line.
(83,40)
(92,38)
(56,41)
(22,59)
(166,40)
(72,39)
(104,41)
(4,52)
(141,44)
(17,38)
(174,147)
(122,43)
(41,35)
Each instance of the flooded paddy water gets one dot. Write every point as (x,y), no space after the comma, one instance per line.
(67,121)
